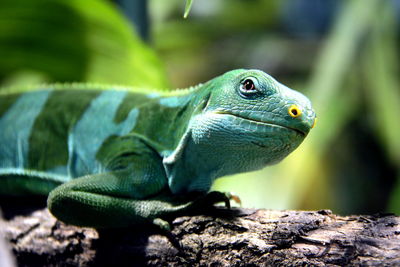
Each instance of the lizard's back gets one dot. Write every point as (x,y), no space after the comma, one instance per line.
(54,134)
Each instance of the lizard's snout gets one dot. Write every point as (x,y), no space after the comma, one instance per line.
(295,111)
(304,118)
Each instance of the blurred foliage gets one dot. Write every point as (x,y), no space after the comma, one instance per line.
(58,40)
(216,37)
(344,55)
(136,12)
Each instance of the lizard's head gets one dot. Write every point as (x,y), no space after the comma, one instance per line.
(252,120)
(244,121)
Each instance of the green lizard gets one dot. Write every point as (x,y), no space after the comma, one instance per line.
(115,157)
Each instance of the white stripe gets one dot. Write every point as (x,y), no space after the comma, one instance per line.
(16,126)
(95,126)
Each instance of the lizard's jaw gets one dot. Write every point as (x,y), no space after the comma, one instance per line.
(262,123)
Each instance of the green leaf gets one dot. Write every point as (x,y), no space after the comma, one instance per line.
(188,6)
(69,41)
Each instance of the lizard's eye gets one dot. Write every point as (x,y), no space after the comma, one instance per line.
(248,87)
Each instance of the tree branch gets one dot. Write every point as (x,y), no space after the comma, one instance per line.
(222,238)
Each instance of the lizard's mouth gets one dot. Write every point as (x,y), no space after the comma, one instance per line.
(264,123)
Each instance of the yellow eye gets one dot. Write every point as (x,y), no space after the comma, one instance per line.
(294,111)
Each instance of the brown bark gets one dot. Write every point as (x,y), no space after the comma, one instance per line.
(223,238)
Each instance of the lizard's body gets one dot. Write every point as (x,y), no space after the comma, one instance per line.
(137,154)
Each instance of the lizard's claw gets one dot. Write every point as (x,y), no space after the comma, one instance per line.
(234,197)
(215,197)
(162,224)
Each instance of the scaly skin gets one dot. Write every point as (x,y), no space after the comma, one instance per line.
(115,157)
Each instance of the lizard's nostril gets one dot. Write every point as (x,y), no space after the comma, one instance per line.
(294,111)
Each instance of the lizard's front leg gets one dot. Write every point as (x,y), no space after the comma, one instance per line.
(135,192)
(108,200)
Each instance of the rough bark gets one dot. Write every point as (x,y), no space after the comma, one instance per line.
(222,238)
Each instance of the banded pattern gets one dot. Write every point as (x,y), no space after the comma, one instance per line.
(61,132)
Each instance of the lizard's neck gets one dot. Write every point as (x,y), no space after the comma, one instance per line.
(214,147)
(195,164)
(188,170)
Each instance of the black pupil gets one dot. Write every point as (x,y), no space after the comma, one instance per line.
(248,85)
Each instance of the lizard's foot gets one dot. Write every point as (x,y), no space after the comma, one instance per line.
(215,197)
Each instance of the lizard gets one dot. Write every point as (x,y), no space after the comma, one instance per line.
(112,156)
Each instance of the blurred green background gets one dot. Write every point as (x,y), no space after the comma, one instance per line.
(343,54)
